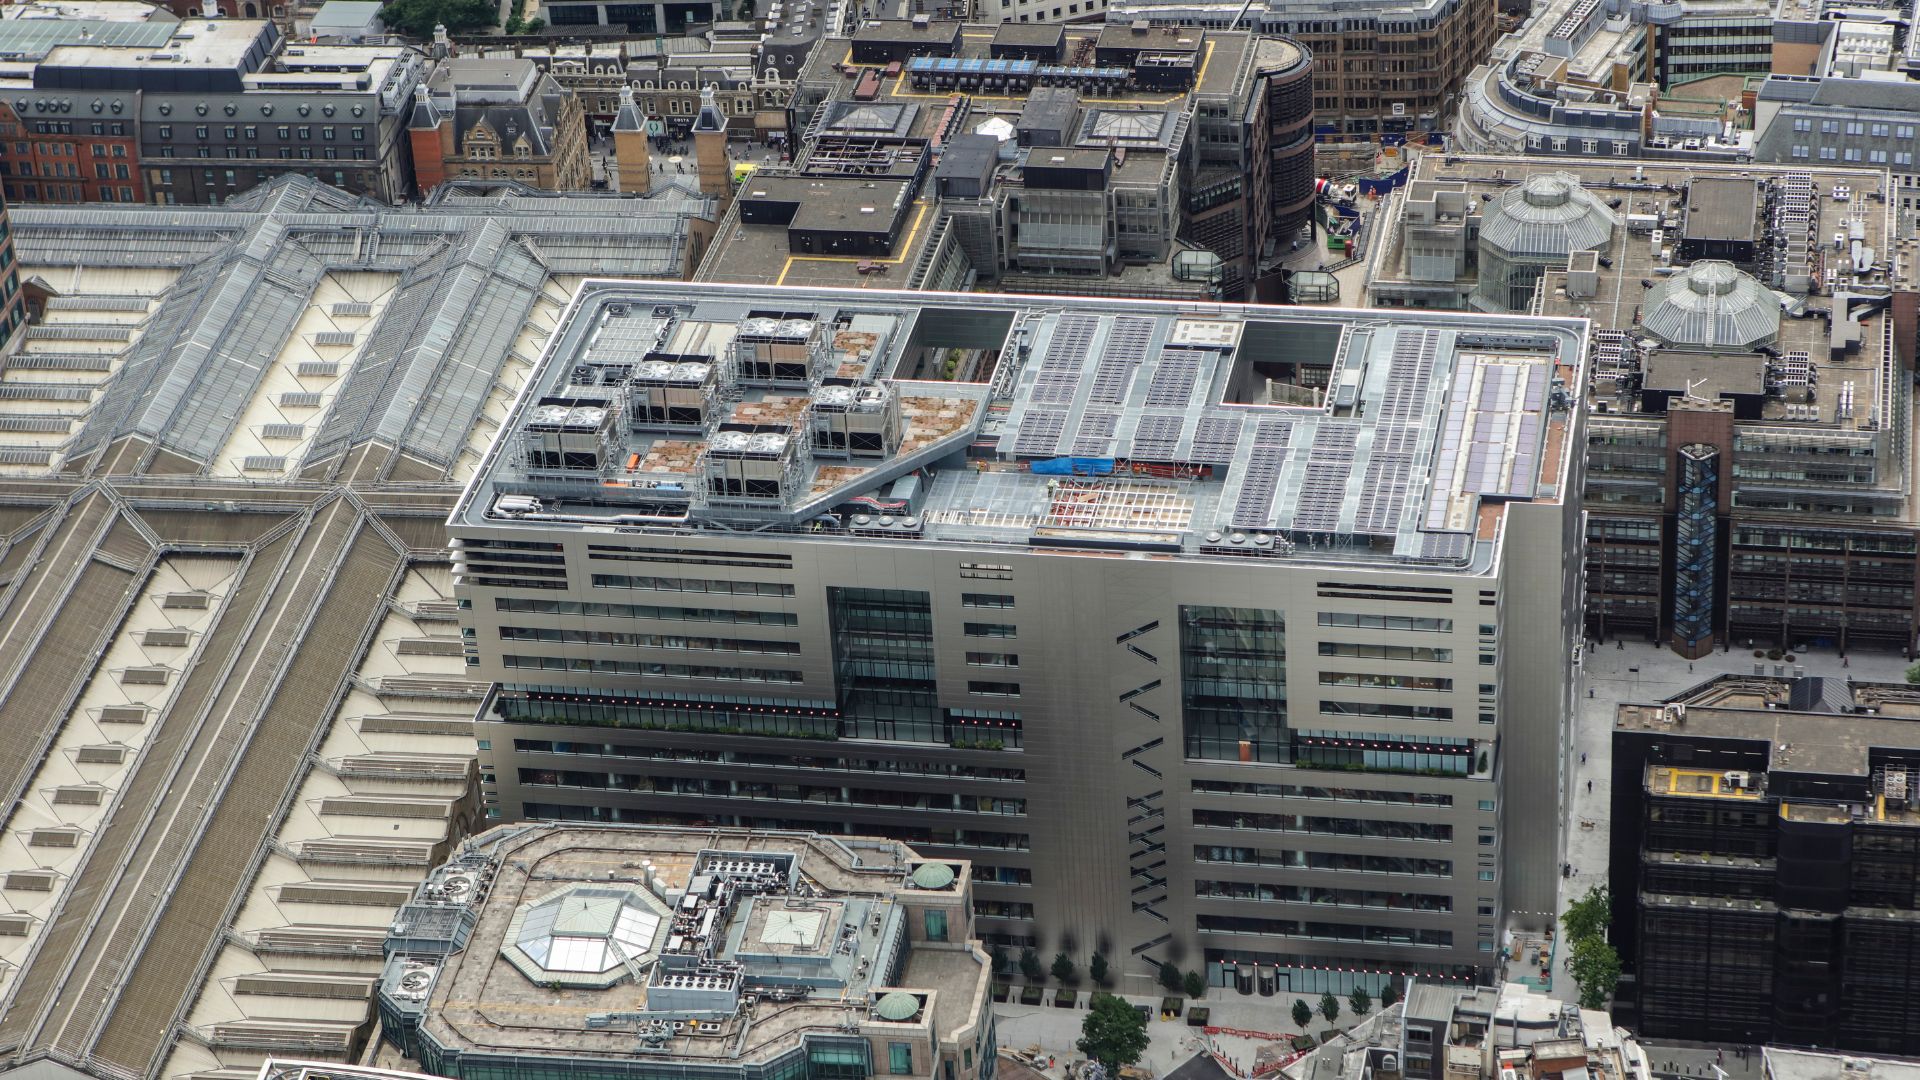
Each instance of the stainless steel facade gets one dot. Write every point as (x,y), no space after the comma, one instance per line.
(1334,764)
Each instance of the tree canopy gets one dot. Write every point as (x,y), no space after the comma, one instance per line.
(1590,915)
(1302,1013)
(1114,1033)
(1330,1007)
(419,17)
(1596,971)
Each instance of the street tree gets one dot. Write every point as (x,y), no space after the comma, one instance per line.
(1063,971)
(1330,1008)
(1114,1033)
(1030,965)
(1596,971)
(1302,1014)
(1590,915)
(1170,976)
(1360,1001)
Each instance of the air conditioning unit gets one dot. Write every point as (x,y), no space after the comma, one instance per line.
(1737,779)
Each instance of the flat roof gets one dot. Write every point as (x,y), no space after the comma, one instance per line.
(794,946)
(1434,424)
(1784,1064)
(33,38)
(1756,709)
(1707,375)
(1725,208)
(1029,34)
(1648,195)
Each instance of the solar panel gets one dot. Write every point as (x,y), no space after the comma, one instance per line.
(1324,489)
(1058,380)
(1445,545)
(1095,438)
(1260,479)
(1040,432)
(1173,379)
(1126,349)
(1215,440)
(1384,494)
(1157,438)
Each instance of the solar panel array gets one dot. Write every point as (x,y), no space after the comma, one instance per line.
(1126,350)
(1040,432)
(1173,379)
(1058,380)
(1383,496)
(1500,394)
(1324,489)
(1525,480)
(1260,478)
(1157,438)
(1215,440)
(1095,438)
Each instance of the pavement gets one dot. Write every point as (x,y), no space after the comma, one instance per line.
(1635,671)
(1056,1030)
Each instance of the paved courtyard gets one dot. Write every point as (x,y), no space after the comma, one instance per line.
(1631,671)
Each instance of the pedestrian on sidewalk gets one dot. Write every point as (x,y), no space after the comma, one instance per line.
(1589,787)
(1583,757)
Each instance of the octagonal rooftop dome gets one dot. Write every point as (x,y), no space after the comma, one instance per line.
(584,935)
(1712,304)
(1548,215)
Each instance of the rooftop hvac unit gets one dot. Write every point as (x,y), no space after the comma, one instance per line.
(459,886)
(1737,779)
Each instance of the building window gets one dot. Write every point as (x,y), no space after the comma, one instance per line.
(1802,123)
(985,600)
(1233,666)
(900,1058)
(993,689)
(936,925)
(883,663)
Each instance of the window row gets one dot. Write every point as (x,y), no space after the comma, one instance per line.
(1327,826)
(647,641)
(809,762)
(1324,931)
(1375,681)
(1386,622)
(694,585)
(532,606)
(1386,652)
(1297,791)
(752,789)
(1264,892)
(517,662)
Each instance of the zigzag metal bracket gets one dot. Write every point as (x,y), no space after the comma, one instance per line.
(1126,640)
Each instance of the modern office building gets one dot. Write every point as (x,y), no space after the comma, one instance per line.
(1763,863)
(1747,457)
(1581,77)
(1380,66)
(704,953)
(1236,638)
(1107,161)
(1844,89)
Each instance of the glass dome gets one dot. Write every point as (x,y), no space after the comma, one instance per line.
(584,935)
(1712,305)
